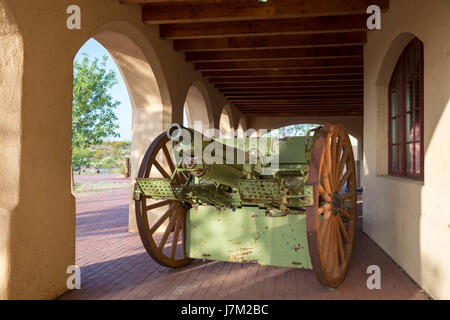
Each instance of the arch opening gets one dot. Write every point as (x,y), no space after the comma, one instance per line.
(145,113)
(226,127)
(242,127)
(197,111)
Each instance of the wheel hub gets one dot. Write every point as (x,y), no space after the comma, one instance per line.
(337,203)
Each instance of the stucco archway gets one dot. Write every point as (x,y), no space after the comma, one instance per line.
(242,127)
(147,88)
(226,122)
(198,108)
(11,73)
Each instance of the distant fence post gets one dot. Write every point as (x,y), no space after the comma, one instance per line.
(127,167)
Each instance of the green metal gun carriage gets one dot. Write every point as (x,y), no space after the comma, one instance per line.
(302,215)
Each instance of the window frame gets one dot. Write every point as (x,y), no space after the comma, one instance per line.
(399,81)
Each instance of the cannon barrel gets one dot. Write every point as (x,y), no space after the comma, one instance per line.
(229,167)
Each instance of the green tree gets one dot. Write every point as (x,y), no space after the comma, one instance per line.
(81,157)
(93,117)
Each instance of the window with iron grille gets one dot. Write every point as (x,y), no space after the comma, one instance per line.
(406,148)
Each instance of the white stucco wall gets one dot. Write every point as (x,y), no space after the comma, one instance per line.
(410,220)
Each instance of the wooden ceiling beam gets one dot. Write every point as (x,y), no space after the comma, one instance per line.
(289,84)
(298,84)
(284,72)
(278,41)
(287,79)
(263,27)
(303,113)
(283,95)
(299,102)
(280,64)
(244,91)
(302,107)
(341,104)
(275,54)
(163,12)
(292,98)
(306,106)
(293,109)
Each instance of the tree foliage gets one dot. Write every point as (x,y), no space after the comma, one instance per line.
(81,157)
(93,117)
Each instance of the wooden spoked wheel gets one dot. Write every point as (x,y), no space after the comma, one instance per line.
(167,247)
(331,222)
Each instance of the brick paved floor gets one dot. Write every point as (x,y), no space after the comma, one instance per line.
(114,265)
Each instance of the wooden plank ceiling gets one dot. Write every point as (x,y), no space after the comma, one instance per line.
(279,58)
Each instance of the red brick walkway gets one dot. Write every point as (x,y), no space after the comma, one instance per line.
(114,265)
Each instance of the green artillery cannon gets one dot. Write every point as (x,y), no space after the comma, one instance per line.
(292,206)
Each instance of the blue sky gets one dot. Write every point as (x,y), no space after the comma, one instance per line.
(119,92)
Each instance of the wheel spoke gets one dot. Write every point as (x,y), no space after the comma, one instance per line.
(326,208)
(342,163)
(183,235)
(329,248)
(346,214)
(344,179)
(161,170)
(340,246)
(168,158)
(344,231)
(324,228)
(337,159)
(333,160)
(169,229)
(171,164)
(163,218)
(158,204)
(327,240)
(328,166)
(326,181)
(348,195)
(175,234)
(326,195)
(334,253)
